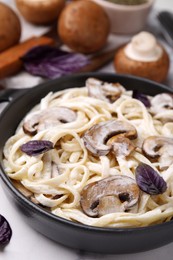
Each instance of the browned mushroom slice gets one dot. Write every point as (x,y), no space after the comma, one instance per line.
(48,118)
(161,102)
(108,92)
(113,194)
(160,148)
(96,137)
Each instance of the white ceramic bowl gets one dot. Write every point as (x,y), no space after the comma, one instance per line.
(126,19)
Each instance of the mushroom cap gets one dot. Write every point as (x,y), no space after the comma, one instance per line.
(154,70)
(48,118)
(113,194)
(40,12)
(10,27)
(108,92)
(96,137)
(83,26)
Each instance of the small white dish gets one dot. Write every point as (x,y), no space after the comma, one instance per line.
(126,19)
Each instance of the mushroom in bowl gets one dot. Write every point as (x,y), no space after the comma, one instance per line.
(112,194)
(79,195)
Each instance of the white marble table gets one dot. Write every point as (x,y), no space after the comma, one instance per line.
(26,243)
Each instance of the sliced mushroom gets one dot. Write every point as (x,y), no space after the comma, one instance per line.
(48,118)
(160,148)
(165,117)
(161,103)
(117,193)
(121,146)
(96,137)
(108,92)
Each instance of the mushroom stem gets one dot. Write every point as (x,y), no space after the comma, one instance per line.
(121,146)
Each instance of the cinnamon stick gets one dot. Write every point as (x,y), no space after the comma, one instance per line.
(99,60)
(10,62)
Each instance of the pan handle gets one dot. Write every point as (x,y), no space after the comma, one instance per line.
(7,95)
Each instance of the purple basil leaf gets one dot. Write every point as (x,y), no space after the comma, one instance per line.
(141,97)
(149,180)
(5,231)
(36,147)
(51,62)
(46,51)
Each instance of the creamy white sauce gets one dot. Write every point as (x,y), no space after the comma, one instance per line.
(143,47)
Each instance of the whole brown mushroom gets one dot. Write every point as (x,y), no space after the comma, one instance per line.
(143,57)
(40,11)
(10,28)
(83,26)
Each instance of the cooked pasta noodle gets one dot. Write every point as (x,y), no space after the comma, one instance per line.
(57,177)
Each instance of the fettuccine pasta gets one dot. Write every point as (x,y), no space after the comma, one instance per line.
(55,179)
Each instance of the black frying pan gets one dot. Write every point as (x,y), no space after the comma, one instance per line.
(78,236)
